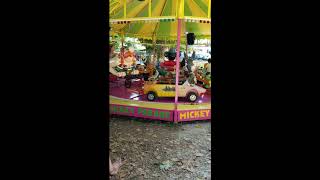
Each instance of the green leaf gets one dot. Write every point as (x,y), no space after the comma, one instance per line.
(166,165)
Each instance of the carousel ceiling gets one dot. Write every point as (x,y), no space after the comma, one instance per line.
(157,19)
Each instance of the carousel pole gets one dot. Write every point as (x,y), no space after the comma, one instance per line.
(122,40)
(180,15)
(154,48)
(177,70)
(186,58)
(122,50)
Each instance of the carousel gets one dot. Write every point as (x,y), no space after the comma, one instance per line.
(174,88)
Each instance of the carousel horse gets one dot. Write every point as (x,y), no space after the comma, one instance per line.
(128,58)
(113,63)
(123,64)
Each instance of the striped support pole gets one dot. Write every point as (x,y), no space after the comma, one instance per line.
(177,71)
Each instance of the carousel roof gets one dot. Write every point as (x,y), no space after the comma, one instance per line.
(157,19)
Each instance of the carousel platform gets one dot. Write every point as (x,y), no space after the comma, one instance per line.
(132,102)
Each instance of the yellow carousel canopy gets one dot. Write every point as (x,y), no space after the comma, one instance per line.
(157,19)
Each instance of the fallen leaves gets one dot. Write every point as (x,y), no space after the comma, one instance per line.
(199,154)
(166,165)
(187,176)
(174,159)
(198,126)
(162,152)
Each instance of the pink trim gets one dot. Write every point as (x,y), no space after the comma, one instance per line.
(175,114)
(189,115)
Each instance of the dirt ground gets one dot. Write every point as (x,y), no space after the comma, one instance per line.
(160,150)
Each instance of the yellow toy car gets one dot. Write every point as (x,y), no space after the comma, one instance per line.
(154,89)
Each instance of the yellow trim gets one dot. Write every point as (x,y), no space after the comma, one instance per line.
(125,8)
(177,8)
(197,18)
(158,18)
(173,11)
(180,9)
(142,18)
(144,104)
(149,12)
(159,37)
(194,107)
(209,9)
(157,105)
